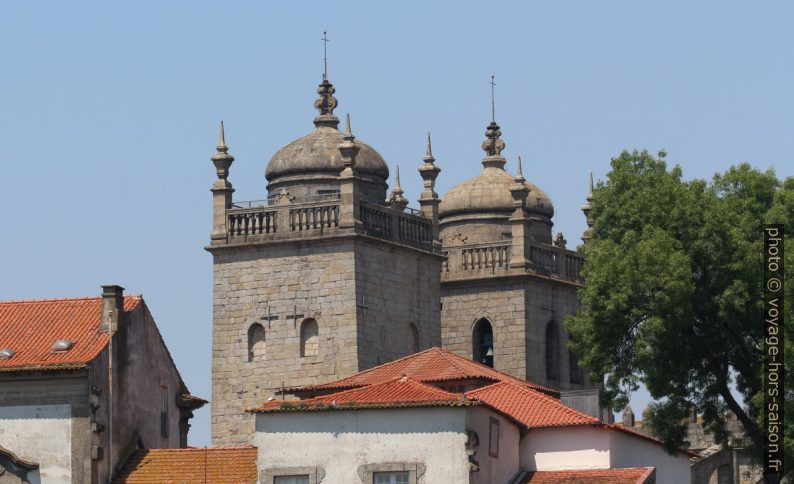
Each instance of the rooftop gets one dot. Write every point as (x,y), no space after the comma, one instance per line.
(428,366)
(394,393)
(216,465)
(630,475)
(30,329)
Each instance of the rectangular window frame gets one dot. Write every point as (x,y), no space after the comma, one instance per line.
(493,437)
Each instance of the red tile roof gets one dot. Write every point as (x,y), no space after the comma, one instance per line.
(432,365)
(215,465)
(631,475)
(30,328)
(529,407)
(397,392)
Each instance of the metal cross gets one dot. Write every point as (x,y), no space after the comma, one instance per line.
(325,55)
(268,318)
(493,106)
(295,316)
(363,306)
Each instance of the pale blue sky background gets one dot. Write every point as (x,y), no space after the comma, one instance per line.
(109,113)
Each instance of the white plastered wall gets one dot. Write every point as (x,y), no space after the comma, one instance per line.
(498,469)
(340,441)
(41,434)
(630,451)
(556,448)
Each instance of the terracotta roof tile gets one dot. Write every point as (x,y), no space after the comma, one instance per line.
(30,328)
(397,392)
(192,465)
(432,365)
(529,407)
(631,475)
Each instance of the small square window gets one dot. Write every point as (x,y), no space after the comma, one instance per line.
(291,479)
(493,438)
(390,477)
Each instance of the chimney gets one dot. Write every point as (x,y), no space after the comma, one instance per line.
(112,307)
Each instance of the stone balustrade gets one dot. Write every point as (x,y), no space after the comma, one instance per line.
(407,228)
(282,218)
(492,258)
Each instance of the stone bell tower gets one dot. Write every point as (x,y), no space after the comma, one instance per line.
(322,279)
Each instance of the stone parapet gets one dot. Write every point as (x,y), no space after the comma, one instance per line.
(282,218)
(485,259)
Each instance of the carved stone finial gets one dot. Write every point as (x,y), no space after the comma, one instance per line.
(348,148)
(222,159)
(586,209)
(519,178)
(493,146)
(429,152)
(397,198)
(559,241)
(325,104)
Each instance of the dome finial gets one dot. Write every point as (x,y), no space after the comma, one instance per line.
(325,55)
(493,103)
(429,152)
(493,147)
(326,102)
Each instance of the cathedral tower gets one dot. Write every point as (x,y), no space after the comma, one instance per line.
(507,285)
(322,279)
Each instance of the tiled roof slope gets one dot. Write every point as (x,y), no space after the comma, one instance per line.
(217,465)
(529,407)
(630,475)
(431,365)
(30,328)
(397,392)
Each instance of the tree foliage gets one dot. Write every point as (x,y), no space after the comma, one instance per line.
(674,295)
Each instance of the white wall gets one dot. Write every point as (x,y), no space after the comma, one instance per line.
(41,434)
(340,441)
(556,448)
(494,470)
(630,451)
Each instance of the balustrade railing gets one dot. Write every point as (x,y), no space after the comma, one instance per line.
(495,257)
(250,221)
(314,217)
(376,220)
(486,256)
(544,260)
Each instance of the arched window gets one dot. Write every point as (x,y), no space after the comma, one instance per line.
(310,341)
(552,352)
(577,374)
(415,345)
(482,342)
(256,342)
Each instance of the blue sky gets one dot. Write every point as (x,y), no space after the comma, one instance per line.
(109,115)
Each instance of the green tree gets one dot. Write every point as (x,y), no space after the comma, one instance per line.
(674,295)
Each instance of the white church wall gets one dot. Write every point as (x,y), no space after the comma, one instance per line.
(41,434)
(341,441)
(558,448)
(630,451)
(500,466)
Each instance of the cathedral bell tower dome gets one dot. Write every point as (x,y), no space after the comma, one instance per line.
(479,208)
(309,166)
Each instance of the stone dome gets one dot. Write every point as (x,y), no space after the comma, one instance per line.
(490,192)
(310,166)
(318,152)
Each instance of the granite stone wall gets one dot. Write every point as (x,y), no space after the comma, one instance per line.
(363,293)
